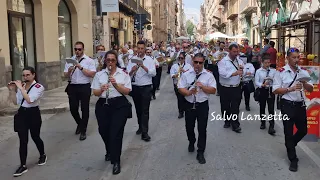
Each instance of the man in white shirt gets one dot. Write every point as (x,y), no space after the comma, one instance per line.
(156,54)
(196,86)
(230,72)
(123,62)
(142,74)
(78,89)
(247,83)
(188,58)
(173,56)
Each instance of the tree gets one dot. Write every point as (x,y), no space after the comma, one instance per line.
(190,26)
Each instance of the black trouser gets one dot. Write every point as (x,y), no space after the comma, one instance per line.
(201,115)
(297,116)
(263,100)
(31,120)
(256,65)
(230,99)
(246,94)
(141,96)
(215,72)
(169,66)
(80,93)
(154,86)
(159,72)
(180,99)
(111,122)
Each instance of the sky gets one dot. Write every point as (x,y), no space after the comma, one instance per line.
(192,9)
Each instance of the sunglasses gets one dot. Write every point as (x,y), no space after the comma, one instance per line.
(181,58)
(197,62)
(148,52)
(111,60)
(293,50)
(100,49)
(77,49)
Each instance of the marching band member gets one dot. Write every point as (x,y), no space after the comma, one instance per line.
(263,80)
(247,83)
(188,58)
(230,72)
(196,85)
(113,108)
(176,71)
(28,118)
(124,52)
(292,103)
(156,54)
(206,51)
(141,88)
(99,60)
(170,51)
(154,79)
(220,54)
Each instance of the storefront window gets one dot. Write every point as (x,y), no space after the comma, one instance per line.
(21,36)
(65,41)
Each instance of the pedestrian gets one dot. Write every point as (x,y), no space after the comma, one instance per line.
(230,72)
(292,103)
(196,85)
(176,72)
(141,75)
(247,83)
(263,80)
(273,54)
(78,89)
(27,94)
(256,60)
(113,108)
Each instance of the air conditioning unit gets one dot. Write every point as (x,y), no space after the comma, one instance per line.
(124,24)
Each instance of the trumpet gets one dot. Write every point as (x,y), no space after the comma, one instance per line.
(108,90)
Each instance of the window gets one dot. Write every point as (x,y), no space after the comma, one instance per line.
(64,25)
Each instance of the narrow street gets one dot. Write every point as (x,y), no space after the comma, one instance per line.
(251,155)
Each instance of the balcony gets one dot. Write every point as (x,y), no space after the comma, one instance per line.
(248,6)
(222,2)
(232,11)
(131,7)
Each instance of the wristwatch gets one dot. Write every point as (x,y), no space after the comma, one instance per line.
(81,68)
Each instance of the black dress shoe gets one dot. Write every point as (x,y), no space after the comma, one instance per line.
(248,108)
(191,147)
(116,168)
(107,157)
(158,88)
(83,136)
(293,166)
(145,137)
(237,129)
(263,125)
(77,130)
(271,131)
(154,97)
(226,125)
(180,115)
(200,158)
(138,132)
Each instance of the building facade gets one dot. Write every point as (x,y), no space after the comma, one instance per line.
(41,33)
(181,19)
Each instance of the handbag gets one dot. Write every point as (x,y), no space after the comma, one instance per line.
(17,118)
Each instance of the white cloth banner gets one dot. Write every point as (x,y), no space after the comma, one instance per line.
(109,5)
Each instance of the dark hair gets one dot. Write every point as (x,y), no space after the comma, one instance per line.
(105,57)
(266,41)
(199,55)
(291,50)
(100,46)
(272,43)
(141,42)
(32,70)
(221,43)
(255,46)
(79,43)
(265,56)
(183,53)
(233,46)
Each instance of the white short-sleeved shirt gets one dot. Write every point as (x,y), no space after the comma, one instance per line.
(261,74)
(171,49)
(142,77)
(206,78)
(102,78)
(35,94)
(284,77)
(248,67)
(78,77)
(226,69)
(188,59)
(175,69)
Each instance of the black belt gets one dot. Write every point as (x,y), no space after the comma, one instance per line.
(292,103)
(142,86)
(198,103)
(27,108)
(79,84)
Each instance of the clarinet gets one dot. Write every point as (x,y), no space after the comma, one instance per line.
(301,95)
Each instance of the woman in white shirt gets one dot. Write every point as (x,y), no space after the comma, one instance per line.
(27,94)
(112,109)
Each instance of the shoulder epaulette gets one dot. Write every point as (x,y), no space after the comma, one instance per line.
(37,85)
(282,69)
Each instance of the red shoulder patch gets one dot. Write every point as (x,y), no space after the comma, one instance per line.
(37,85)
(303,68)
(282,69)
